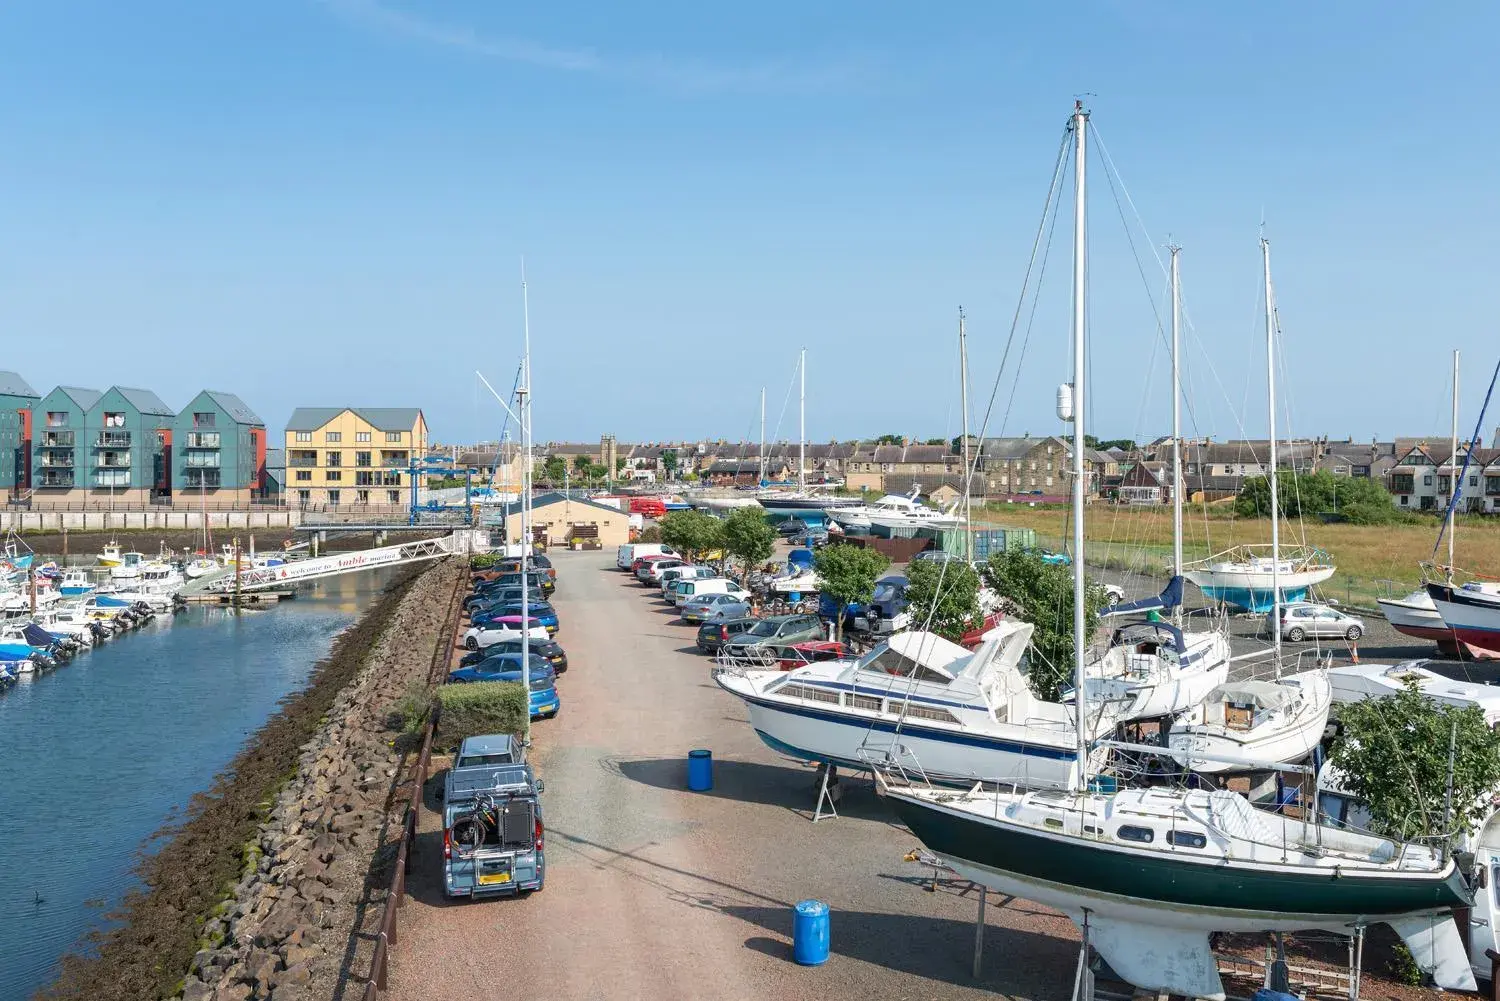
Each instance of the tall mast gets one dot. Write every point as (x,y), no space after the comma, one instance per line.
(963,382)
(1176,424)
(760,476)
(802,427)
(1453,463)
(525,405)
(1080,149)
(1265,255)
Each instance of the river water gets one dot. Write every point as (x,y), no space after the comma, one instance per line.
(98,754)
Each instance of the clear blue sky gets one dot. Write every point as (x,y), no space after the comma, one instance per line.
(326,201)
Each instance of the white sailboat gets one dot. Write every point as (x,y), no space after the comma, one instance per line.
(1149,875)
(1275,721)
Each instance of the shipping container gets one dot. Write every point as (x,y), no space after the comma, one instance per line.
(988,541)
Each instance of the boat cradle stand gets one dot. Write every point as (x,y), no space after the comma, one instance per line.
(829,791)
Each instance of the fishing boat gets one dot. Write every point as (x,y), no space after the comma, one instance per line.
(128,568)
(111,555)
(76,581)
(1149,874)
(962,715)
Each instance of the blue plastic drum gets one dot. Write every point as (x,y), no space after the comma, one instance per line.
(700,770)
(810,933)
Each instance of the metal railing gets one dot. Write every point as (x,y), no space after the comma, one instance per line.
(202,439)
(112,439)
(395,899)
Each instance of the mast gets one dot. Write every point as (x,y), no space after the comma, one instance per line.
(1265,255)
(1453,463)
(760,477)
(802,427)
(524,394)
(1080,149)
(1176,425)
(963,382)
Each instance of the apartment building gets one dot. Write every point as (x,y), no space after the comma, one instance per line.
(17,405)
(348,456)
(218,452)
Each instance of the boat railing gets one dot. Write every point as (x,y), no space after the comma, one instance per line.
(1301,556)
(1439,573)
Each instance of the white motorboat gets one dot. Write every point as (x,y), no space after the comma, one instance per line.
(1415,615)
(156,585)
(196,568)
(918,700)
(894,511)
(76,581)
(1357,682)
(129,567)
(70,619)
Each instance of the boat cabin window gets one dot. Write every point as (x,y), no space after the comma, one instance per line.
(1053,822)
(810,693)
(1187,839)
(1091,829)
(869,703)
(1129,832)
(915,710)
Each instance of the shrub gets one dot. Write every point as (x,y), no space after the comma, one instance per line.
(409,717)
(483,561)
(468,710)
(650,533)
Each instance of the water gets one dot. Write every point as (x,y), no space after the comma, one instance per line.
(98,754)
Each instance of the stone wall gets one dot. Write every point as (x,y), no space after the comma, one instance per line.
(286,932)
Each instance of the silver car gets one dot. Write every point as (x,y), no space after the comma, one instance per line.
(713,607)
(1306,619)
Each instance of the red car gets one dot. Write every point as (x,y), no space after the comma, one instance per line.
(642,561)
(801,654)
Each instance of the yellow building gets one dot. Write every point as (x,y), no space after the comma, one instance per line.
(353,456)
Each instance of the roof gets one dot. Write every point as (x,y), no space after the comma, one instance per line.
(379,418)
(275,458)
(1008,448)
(557,497)
(145,401)
(11,384)
(234,407)
(84,398)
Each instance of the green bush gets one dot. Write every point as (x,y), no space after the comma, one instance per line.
(409,716)
(480,707)
(483,561)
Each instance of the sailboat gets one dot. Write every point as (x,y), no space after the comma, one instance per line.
(1260,721)
(782,504)
(1149,875)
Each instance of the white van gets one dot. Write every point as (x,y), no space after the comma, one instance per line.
(632,551)
(685,589)
(690,571)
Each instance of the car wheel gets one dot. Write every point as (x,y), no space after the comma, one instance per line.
(1295,634)
(471,643)
(1353,633)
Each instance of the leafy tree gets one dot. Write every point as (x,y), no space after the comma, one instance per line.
(1042,594)
(1359,499)
(596,471)
(692,532)
(620,461)
(890,439)
(748,538)
(581,463)
(1104,445)
(847,574)
(957,445)
(669,462)
(554,469)
(936,441)
(1394,756)
(942,597)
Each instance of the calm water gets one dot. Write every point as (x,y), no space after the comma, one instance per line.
(97,754)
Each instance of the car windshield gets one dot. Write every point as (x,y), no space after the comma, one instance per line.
(765,627)
(540,684)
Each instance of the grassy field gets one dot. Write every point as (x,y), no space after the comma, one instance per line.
(1373,561)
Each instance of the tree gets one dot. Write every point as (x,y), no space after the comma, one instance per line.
(554,469)
(936,441)
(847,574)
(669,462)
(1123,444)
(1393,753)
(596,471)
(620,461)
(1361,500)
(890,439)
(748,539)
(942,597)
(581,463)
(1042,594)
(957,445)
(692,532)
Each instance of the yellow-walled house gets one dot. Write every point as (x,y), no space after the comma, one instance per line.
(353,456)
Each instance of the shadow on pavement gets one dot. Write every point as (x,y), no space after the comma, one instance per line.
(791,788)
(1029,963)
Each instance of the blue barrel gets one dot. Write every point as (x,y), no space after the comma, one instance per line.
(700,770)
(810,933)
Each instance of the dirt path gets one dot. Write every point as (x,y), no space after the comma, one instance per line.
(656,892)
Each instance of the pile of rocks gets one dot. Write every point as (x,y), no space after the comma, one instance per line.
(284,931)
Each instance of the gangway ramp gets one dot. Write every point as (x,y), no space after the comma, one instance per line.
(297,571)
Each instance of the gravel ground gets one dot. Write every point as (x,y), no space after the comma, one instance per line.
(654,892)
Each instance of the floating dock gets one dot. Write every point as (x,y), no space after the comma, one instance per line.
(245,598)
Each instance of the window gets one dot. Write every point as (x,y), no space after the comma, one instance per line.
(393,436)
(362,458)
(393,496)
(304,436)
(57,418)
(304,496)
(1427,480)
(363,496)
(1404,499)
(304,476)
(361,436)
(866,702)
(333,437)
(334,459)
(334,476)
(1140,835)
(114,420)
(913,710)
(1187,839)
(333,496)
(205,420)
(1473,481)
(809,692)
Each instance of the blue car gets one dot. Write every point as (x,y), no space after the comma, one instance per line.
(542,611)
(545,702)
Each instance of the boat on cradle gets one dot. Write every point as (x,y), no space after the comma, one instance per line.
(918,700)
(782,505)
(1357,682)
(1242,576)
(1470,611)
(894,511)
(1154,669)
(76,581)
(717,503)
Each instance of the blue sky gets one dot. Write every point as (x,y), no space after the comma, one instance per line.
(315,202)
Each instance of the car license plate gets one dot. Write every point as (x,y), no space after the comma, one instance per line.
(494,878)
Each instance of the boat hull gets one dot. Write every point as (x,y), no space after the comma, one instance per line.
(1472,619)
(1253,590)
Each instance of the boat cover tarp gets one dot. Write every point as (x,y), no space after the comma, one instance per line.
(1261,694)
(1170,597)
(800,559)
(37,636)
(110,601)
(1130,632)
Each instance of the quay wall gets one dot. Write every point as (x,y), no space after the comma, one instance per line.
(156,520)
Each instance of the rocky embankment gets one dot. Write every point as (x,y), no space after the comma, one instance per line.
(287,932)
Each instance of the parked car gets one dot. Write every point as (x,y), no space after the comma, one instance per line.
(539,564)
(545,702)
(691,572)
(501,596)
(626,555)
(685,590)
(534,578)
(548,649)
(765,639)
(650,573)
(1303,619)
(539,611)
(507,628)
(712,607)
(713,635)
(492,820)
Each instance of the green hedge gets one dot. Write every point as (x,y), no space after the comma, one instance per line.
(483,561)
(467,710)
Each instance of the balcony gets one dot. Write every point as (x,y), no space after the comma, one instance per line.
(113,460)
(112,439)
(55,479)
(209,460)
(117,479)
(302,461)
(201,478)
(203,439)
(56,460)
(56,439)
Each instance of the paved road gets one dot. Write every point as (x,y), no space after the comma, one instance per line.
(655,892)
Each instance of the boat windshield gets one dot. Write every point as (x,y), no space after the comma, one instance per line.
(887,661)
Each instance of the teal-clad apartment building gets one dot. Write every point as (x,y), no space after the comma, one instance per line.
(17,405)
(60,458)
(100,448)
(217,452)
